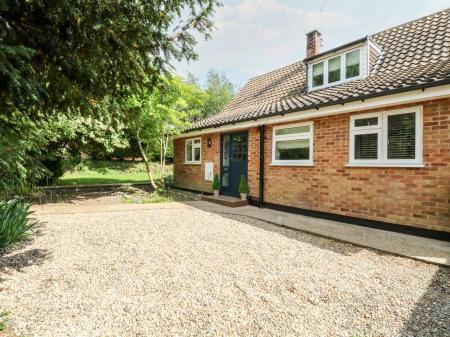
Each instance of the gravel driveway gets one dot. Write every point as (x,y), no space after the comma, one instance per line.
(188,272)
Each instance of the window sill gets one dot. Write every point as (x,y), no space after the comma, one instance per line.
(192,163)
(291,164)
(386,165)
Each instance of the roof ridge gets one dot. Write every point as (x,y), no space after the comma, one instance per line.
(409,22)
(277,69)
(366,36)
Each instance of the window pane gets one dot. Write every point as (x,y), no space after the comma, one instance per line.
(239,148)
(225,179)
(196,154)
(196,141)
(317,79)
(334,69)
(226,151)
(189,151)
(366,146)
(352,64)
(366,121)
(293,130)
(402,136)
(292,149)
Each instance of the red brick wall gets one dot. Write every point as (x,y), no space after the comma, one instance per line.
(410,196)
(192,176)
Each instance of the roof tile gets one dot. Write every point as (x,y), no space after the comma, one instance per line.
(417,52)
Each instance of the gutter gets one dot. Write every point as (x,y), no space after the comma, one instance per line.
(422,86)
(261,165)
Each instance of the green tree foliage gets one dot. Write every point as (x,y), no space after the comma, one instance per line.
(219,90)
(156,117)
(67,66)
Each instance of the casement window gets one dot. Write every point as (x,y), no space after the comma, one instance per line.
(352,64)
(193,151)
(317,74)
(293,144)
(388,138)
(336,69)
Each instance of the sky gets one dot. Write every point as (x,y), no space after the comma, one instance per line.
(252,37)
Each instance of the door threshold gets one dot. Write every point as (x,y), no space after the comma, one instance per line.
(225,200)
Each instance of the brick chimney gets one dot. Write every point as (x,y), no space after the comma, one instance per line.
(313,43)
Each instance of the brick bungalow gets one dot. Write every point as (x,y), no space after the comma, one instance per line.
(359,133)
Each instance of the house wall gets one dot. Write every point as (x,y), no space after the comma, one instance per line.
(410,196)
(192,176)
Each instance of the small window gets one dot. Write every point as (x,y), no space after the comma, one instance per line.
(317,76)
(366,146)
(401,140)
(193,151)
(370,121)
(334,69)
(293,130)
(293,145)
(386,138)
(352,64)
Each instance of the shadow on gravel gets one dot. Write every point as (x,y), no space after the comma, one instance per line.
(10,262)
(17,257)
(431,314)
(335,246)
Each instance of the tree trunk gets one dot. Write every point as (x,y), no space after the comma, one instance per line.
(166,145)
(146,162)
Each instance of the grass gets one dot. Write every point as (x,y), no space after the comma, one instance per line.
(91,172)
(3,319)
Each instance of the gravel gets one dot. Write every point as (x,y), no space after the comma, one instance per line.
(188,272)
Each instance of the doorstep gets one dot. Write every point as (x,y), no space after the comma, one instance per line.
(225,200)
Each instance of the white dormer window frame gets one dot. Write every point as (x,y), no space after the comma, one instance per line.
(343,65)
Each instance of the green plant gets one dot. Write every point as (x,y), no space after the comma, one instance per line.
(15,222)
(3,319)
(216,183)
(243,185)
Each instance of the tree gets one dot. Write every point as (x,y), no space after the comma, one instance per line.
(220,91)
(158,116)
(71,59)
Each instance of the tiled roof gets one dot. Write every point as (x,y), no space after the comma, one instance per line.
(414,54)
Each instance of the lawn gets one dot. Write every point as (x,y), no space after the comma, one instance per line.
(91,172)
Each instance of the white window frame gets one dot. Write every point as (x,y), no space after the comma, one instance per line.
(382,130)
(296,136)
(343,68)
(199,145)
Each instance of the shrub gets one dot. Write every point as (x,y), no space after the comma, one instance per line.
(243,185)
(216,183)
(15,222)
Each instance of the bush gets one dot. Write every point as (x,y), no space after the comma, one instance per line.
(243,185)
(14,222)
(216,183)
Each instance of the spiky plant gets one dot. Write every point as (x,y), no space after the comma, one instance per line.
(243,185)
(15,222)
(216,183)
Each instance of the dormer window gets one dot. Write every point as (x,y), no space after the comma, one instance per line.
(318,74)
(336,69)
(352,64)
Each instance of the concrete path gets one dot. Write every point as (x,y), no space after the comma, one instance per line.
(424,249)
